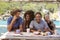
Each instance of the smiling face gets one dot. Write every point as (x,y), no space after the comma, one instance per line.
(47,18)
(27,17)
(38,17)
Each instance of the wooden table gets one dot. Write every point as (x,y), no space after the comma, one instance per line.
(27,36)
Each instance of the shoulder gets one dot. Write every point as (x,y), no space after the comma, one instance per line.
(51,21)
(44,22)
(21,19)
(33,21)
(10,18)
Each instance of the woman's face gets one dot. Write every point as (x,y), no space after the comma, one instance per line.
(47,17)
(38,17)
(27,17)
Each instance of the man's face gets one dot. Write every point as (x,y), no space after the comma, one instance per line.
(38,17)
(18,14)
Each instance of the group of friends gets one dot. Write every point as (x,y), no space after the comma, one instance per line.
(30,20)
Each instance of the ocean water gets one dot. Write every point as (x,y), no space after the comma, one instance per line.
(57,23)
(3,22)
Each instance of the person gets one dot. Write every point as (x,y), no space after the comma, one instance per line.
(50,23)
(28,17)
(15,22)
(38,24)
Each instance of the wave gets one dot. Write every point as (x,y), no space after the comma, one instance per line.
(3,25)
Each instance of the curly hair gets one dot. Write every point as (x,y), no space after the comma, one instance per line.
(30,13)
(13,12)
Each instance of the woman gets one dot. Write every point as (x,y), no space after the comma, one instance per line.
(50,23)
(15,21)
(28,17)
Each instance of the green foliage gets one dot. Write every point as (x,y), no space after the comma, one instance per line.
(35,6)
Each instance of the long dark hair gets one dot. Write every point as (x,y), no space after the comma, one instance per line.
(31,14)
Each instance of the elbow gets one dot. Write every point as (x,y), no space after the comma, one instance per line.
(8,29)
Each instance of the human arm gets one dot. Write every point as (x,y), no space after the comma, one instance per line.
(11,23)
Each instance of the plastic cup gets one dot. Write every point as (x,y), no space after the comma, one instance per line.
(28,30)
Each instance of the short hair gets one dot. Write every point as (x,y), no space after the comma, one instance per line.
(38,13)
(13,12)
(30,13)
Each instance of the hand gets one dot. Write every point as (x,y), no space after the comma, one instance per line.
(39,30)
(14,18)
(32,30)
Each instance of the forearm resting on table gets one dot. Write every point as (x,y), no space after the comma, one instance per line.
(50,30)
(32,29)
(21,27)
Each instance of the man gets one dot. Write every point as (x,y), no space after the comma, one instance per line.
(38,24)
(15,21)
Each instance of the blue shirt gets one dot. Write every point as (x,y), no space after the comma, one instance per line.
(18,22)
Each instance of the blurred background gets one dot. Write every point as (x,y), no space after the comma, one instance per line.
(51,7)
